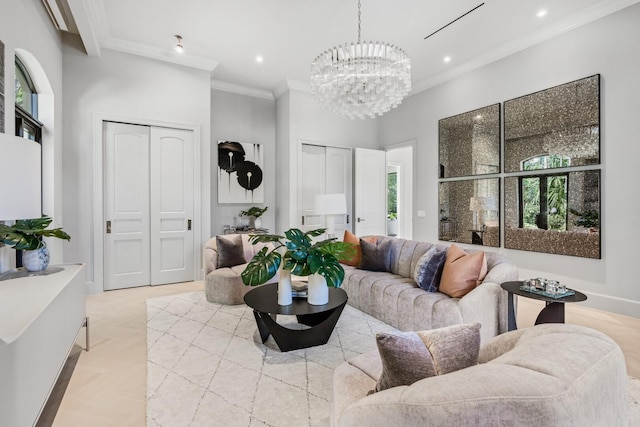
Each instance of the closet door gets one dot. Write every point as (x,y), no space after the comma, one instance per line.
(172,250)
(339,180)
(126,206)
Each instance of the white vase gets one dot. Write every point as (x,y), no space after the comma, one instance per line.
(36,260)
(318,291)
(257,223)
(284,287)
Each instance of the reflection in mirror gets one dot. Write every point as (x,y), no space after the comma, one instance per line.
(469,143)
(469,211)
(557,213)
(560,125)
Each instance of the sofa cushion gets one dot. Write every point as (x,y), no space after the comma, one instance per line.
(462,272)
(349,237)
(408,357)
(230,251)
(429,269)
(376,256)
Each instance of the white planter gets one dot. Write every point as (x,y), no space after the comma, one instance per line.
(392,227)
(284,287)
(318,291)
(257,223)
(36,260)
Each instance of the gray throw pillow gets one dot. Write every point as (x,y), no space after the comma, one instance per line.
(408,357)
(375,256)
(230,251)
(428,274)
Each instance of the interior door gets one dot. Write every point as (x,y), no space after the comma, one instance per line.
(126,181)
(339,181)
(171,172)
(370,192)
(313,159)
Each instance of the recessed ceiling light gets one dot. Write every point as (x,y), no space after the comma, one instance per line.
(447,59)
(541,13)
(259,59)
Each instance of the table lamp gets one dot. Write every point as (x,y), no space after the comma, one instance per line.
(20,178)
(331,205)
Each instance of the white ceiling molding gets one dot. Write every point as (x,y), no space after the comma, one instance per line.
(579,19)
(167,55)
(291,84)
(241,90)
(83,15)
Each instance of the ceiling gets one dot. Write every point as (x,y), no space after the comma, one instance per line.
(224,37)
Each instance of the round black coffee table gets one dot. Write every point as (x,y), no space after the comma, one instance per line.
(553,312)
(322,318)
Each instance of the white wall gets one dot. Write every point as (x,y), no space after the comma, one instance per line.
(607,46)
(24,24)
(126,86)
(308,122)
(248,119)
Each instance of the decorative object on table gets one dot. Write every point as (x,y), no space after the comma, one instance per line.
(300,256)
(284,286)
(546,287)
(331,205)
(361,79)
(299,289)
(254,213)
(240,174)
(26,235)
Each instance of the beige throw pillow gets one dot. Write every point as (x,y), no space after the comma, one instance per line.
(408,357)
(462,272)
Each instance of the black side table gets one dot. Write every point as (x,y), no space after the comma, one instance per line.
(553,312)
(322,318)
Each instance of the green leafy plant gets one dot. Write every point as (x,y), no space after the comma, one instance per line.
(27,234)
(392,216)
(297,252)
(254,211)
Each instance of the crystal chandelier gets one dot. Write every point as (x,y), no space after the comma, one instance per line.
(361,79)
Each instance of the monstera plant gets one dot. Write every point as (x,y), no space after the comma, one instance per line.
(26,234)
(297,252)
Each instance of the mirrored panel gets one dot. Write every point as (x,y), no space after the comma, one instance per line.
(469,143)
(469,211)
(557,213)
(555,128)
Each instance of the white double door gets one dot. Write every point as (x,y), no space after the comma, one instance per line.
(324,170)
(148,206)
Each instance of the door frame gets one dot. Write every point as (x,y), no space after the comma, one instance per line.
(412,144)
(97,285)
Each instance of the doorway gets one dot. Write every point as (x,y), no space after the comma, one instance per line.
(399,185)
(148,205)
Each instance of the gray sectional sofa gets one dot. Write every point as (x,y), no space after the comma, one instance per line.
(548,375)
(394,297)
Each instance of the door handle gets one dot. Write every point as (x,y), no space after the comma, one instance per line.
(360,219)
(302,219)
(347,218)
(188,224)
(108,227)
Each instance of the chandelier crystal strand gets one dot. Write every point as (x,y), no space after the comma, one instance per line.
(363,79)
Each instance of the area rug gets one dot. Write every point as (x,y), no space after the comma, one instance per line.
(206,366)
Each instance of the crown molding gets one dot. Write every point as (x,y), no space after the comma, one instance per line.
(591,14)
(291,84)
(165,55)
(241,90)
(85,16)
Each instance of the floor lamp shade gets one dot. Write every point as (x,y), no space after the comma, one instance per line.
(20,178)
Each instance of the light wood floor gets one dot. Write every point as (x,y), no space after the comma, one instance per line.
(108,386)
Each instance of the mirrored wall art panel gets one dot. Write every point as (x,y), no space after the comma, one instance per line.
(469,143)
(554,213)
(554,128)
(469,211)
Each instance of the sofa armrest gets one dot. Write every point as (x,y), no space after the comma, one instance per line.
(210,256)
(487,304)
(503,272)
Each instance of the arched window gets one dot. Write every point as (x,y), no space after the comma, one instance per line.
(26,98)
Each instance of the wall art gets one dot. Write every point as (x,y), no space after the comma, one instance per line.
(240,172)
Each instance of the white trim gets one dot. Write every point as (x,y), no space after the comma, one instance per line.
(87,19)
(290,84)
(241,90)
(199,228)
(167,55)
(581,18)
(414,147)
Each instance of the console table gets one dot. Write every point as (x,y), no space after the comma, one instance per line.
(40,317)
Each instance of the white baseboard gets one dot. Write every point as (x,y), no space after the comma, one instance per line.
(92,288)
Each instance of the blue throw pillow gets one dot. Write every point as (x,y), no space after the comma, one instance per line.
(428,272)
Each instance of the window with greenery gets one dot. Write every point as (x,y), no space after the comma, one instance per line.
(392,195)
(543,202)
(26,99)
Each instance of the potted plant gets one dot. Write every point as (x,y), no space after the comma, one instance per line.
(26,235)
(254,213)
(392,224)
(299,255)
